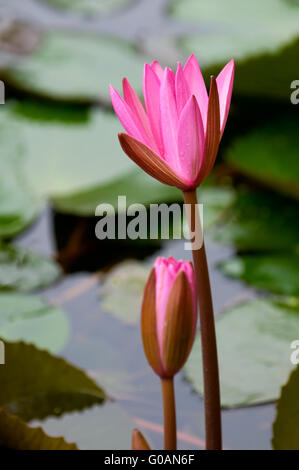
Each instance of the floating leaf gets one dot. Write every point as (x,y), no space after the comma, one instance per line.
(233,29)
(279,274)
(286,424)
(261,221)
(76,67)
(92,7)
(35,384)
(270,155)
(137,186)
(254,352)
(122,290)
(266,75)
(82,148)
(28,318)
(17,435)
(23,270)
(18,206)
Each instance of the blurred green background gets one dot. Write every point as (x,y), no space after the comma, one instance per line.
(69,303)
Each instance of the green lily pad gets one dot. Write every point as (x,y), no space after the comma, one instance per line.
(137,186)
(286,424)
(23,270)
(269,75)
(35,384)
(81,148)
(29,318)
(234,29)
(17,435)
(279,274)
(18,206)
(270,155)
(122,290)
(76,67)
(90,6)
(254,352)
(261,221)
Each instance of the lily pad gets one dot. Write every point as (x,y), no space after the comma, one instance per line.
(76,67)
(261,221)
(278,274)
(90,6)
(137,186)
(23,270)
(35,384)
(17,435)
(122,290)
(18,206)
(270,155)
(254,352)
(269,75)
(234,29)
(81,148)
(28,318)
(286,424)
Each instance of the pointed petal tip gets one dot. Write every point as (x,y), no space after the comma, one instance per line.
(191,57)
(122,135)
(155,62)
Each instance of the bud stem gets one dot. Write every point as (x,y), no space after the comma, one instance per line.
(169,414)
(208,337)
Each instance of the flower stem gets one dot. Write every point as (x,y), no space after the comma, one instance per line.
(208,336)
(169,414)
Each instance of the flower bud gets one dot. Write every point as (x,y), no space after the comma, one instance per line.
(169,315)
(138,441)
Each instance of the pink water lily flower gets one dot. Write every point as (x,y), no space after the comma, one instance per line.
(169,315)
(175,138)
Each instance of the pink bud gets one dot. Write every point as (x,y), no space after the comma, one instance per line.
(169,315)
(138,441)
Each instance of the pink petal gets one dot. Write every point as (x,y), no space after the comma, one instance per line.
(157,69)
(197,85)
(150,162)
(166,272)
(225,82)
(126,116)
(190,140)
(151,92)
(182,91)
(169,118)
(133,101)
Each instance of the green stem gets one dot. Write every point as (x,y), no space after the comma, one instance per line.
(208,336)
(170,440)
